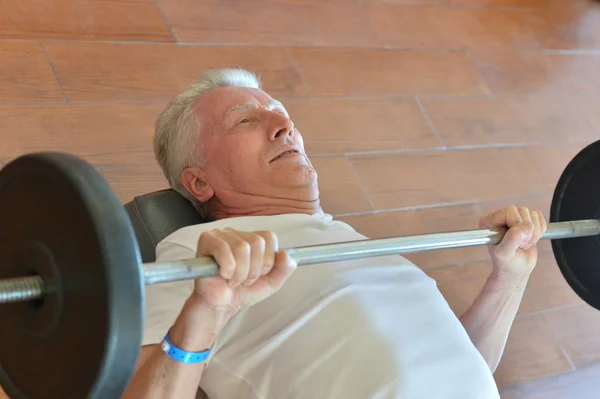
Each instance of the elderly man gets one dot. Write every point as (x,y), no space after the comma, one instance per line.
(373,328)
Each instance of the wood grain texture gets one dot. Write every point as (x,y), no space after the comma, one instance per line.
(461,284)
(531,72)
(129,181)
(531,352)
(25,76)
(492,4)
(343,72)
(566,25)
(83,19)
(552,160)
(314,23)
(416,25)
(577,330)
(582,383)
(109,72)
(340,192)
(508,119)
(351,125)
(103,134)
(438,177)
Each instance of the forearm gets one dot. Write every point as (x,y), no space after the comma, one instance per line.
(195,330)
(489,319)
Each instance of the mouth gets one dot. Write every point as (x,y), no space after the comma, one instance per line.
(286,154)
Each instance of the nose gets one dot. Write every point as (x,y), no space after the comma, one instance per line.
(281,126)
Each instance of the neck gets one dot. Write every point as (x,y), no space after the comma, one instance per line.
(251,205)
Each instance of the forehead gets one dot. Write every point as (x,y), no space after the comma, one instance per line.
(216,104)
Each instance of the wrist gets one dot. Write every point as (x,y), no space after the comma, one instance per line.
(504,280)
(197,326)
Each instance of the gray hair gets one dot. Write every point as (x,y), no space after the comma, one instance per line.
(176,144)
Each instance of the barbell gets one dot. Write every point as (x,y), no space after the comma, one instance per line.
(72,283)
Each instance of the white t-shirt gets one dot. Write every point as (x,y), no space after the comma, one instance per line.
(370,328)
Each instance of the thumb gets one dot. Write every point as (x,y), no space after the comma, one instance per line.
(283,268)
(515,237)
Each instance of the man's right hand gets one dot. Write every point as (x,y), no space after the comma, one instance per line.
(251,269)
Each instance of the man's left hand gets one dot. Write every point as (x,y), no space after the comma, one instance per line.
(516,255)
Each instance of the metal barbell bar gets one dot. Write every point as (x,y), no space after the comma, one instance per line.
(32,287)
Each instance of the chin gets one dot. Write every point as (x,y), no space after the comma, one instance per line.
(303,176)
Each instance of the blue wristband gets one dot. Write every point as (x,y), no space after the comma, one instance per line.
(183,356)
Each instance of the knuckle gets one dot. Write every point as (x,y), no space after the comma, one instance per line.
(256,241)
(241,248)
(220,246)
(205,235)
(268,236)
(523,209)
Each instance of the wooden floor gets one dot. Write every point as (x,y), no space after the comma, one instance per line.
(420,116)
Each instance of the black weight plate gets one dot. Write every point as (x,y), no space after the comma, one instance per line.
(59,218)
(577,197)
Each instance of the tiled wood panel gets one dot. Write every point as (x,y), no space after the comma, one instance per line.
(414,25)
(531,353)
(553,159)
(317,23)
(461,284)
(494,4)
(531,72)
(339,191)
(101,133)
(25,76)
(342,125)
(114,71)
(577,330)
(546,288)
(423,221)
(435,177)
(583,383)
(129,181)
(376,72)
(566,24)
(508,119)
(83,19)
(589,105)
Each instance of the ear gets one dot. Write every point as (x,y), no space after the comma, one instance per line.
(193,180)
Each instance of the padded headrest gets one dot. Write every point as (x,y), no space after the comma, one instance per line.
(156,215)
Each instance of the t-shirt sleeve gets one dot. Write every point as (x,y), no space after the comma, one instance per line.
(165,301)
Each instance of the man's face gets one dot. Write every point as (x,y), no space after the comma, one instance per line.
(252,147)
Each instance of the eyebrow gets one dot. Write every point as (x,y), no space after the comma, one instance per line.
(272,104)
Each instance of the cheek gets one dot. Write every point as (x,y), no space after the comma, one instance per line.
(238,160)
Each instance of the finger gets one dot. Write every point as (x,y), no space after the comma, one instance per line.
(271,248)
(210,243)
(505,217)
(241,252)
(543,223)
(514,238)
(281,271)
(529,226)
(525,214)
(537,230)
(257,252)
